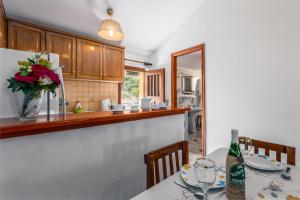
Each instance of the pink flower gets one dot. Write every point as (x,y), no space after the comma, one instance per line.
(42,72)
(26,79)
(54,77)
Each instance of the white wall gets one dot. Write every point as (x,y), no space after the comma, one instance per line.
(95,163)
(252,68)
(134,55)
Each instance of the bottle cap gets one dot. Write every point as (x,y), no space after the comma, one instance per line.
(234,135)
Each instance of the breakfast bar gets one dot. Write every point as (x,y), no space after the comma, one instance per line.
(83,156)
(13,127)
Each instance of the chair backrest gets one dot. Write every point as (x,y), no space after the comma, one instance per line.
(152,161)
(267,146)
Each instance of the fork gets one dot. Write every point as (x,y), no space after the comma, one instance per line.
(197,194)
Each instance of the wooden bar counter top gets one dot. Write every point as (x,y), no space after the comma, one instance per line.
(13,127)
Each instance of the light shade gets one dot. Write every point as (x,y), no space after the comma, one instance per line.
(111,30)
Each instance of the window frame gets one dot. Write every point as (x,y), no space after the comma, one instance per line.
(134,69)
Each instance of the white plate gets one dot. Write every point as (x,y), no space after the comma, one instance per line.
(263,163)
(188,175)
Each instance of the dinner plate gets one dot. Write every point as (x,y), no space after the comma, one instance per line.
(188,175)
(263,162)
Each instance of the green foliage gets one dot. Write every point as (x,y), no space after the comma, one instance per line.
(32,89)
(131,86)
(45,63)
(24,63)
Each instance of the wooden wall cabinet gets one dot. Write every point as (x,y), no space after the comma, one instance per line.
(25,38)
(65,46)
(89,59)
(113,63)
(81,58)
(3,29)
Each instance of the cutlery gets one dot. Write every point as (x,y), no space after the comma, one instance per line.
(197,194)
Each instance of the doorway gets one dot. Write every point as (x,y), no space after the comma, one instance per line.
(188,90)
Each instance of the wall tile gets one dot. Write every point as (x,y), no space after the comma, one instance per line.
(90,94)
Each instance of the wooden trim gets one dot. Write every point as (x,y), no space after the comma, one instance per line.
(119,93)
(65,33)
(174,56)
(188,50)
(136,69)
(13,127)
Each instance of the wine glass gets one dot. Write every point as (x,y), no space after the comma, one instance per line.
(205,171)
(247,142)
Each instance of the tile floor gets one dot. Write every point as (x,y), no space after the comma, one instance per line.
(194,146)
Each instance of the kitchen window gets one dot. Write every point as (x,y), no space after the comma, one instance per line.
(139,83)
(133,86)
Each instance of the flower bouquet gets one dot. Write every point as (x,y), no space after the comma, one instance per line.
(33,78)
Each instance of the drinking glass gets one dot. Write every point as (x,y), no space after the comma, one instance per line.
(205,171)
(247,142)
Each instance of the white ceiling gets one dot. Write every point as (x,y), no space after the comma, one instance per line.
(146,23)
(190,61)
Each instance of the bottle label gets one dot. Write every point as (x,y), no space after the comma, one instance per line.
(237,175)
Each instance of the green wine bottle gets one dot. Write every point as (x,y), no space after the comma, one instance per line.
(235,170)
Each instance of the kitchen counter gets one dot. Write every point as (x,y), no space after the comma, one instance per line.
(83,159)
(12,127)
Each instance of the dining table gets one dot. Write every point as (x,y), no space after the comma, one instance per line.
(257,184)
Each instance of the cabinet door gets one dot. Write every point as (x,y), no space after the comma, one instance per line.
(65,46)
(113,63)
(2,26)
(89,59)
(25,38)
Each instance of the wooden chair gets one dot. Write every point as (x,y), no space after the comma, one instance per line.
(267,146)
(152,161)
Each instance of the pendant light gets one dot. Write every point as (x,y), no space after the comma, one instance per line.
(110,29)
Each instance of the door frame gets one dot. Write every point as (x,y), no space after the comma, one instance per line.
(200,47)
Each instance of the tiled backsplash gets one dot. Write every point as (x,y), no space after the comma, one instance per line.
(89,93)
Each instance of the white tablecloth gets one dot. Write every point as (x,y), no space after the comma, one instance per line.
(255,182)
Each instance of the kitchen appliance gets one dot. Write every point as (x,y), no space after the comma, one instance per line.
(145,103)
(187,84)
(106,105)
(8,65)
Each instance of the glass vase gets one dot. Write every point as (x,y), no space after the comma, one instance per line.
(28,104)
